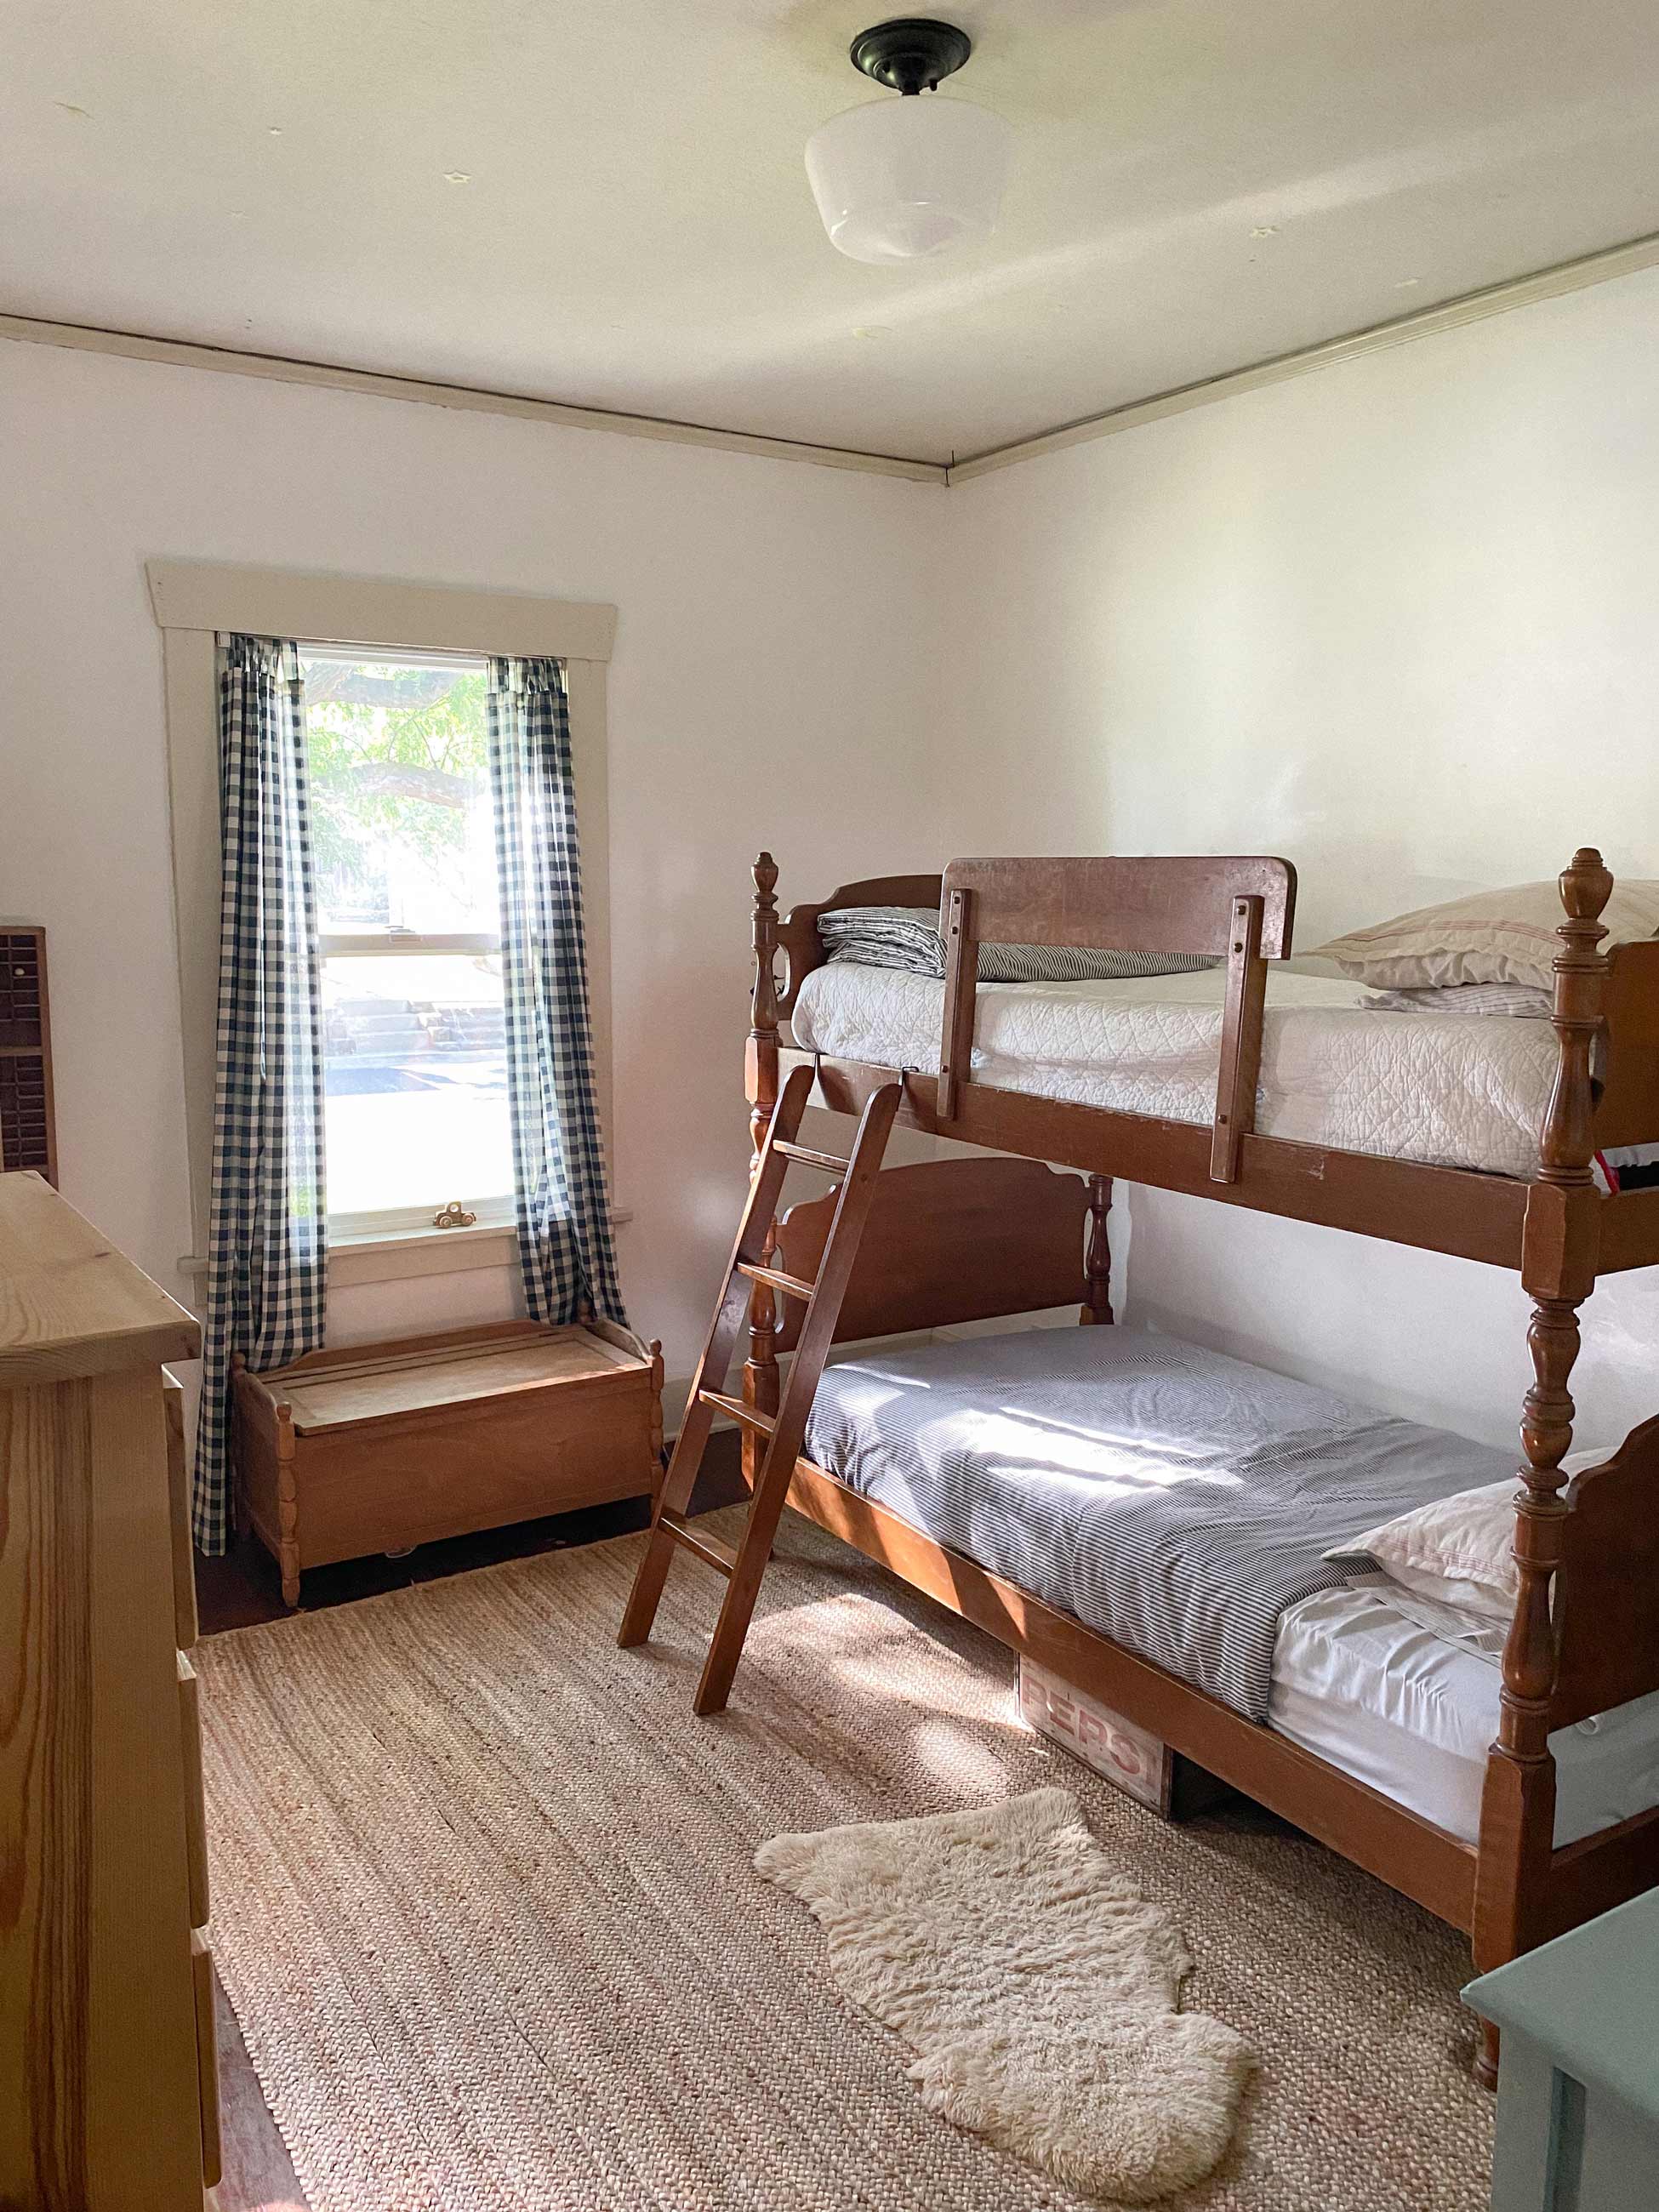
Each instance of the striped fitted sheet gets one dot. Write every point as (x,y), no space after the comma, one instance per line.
(1173,1498)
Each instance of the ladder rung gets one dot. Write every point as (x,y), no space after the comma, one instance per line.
(769,1481)
(831,1163)
(708,1549)
(750,1416)
(775,1280)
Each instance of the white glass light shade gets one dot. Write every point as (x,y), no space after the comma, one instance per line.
(897,178)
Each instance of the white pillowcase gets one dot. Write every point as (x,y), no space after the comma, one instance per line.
(1491,937)
(1516,1001)
(1456,1550)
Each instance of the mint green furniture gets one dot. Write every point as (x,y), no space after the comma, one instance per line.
(1578,2086)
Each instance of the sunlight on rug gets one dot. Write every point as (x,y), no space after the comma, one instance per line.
(1038,1985)
(486,1907)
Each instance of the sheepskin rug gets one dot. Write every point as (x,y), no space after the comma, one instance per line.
(1038,1988)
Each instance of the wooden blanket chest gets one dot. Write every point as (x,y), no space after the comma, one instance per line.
(378,1447)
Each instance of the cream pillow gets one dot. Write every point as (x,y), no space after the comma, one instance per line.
(1456,1550)
(1492,937)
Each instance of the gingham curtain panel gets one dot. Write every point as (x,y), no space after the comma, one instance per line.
(558,1152)
(268,1249)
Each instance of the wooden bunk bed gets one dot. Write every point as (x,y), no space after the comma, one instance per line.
(961,1240)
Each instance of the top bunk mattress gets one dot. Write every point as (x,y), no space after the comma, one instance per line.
(1459,1091)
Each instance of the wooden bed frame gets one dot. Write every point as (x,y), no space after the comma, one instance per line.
(956,1240)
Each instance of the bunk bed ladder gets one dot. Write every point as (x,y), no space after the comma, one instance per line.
(786,1432)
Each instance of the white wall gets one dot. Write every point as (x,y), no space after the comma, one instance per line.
(1395,620)
(764,691)
(1398,622)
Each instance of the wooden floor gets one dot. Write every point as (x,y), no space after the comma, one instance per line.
(242,1589)
(258,2174)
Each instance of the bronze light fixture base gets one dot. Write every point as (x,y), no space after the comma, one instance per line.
(911,54)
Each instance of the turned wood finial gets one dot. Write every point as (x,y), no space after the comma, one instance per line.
(1586,885)
(764,1004)
(765,872)
(1567,1140)
(762,1058)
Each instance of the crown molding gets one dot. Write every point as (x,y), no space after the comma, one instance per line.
(1626,260)
(185,353)
(1608,263)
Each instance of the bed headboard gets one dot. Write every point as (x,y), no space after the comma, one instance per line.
(797,935)
(1628,1111)
(1606,1620)
(948,1241)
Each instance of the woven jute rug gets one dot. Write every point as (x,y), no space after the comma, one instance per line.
(485,1906)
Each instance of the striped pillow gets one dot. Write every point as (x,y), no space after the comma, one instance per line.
(908,938)
(1521,1001)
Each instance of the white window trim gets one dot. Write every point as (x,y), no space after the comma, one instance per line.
(194,601)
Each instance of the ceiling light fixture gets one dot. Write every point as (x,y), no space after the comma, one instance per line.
(895,180)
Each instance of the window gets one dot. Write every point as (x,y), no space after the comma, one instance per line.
(414,1049)
(395,624)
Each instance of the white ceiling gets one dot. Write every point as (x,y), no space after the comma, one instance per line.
(1198,184)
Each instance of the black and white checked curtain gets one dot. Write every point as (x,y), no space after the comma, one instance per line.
(268,1251)
(558,1154)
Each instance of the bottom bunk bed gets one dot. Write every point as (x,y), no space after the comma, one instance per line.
(1176,1533)
(1181,1504)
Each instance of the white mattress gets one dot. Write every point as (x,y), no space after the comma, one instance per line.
(1451,1092)
(1392,1702)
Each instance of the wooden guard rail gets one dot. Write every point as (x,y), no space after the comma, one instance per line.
(1239,909)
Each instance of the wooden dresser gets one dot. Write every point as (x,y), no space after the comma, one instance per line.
(108,2088)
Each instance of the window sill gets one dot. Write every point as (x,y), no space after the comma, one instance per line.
(395,1255)
(390,1257)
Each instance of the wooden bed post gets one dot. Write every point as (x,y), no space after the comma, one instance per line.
(759,1369)
(1557,1271)
(1097,1267)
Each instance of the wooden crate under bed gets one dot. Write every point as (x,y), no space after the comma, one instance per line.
(378,1447)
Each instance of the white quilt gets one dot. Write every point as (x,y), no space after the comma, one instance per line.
(1335,1070)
